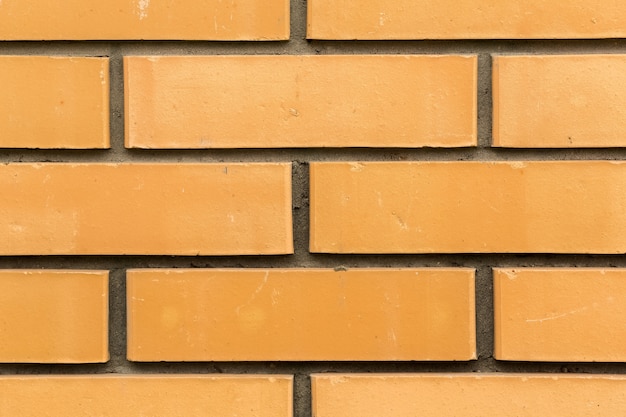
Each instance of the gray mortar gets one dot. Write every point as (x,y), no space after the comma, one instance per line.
(300,159)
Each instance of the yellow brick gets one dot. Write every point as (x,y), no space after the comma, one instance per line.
(468,395)
(466,19)
(298,314)
(149,209)
(457,207)
(300,101)
(146,395)
(53,316)
(559,101)
(144,19)
(54,102)
(560,315)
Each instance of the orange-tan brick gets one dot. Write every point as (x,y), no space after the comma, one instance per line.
(299,314)
(457,207)
(468,19)
(559,101)
(144,19)
(146,395)
(560,315)
(53,316)
(152,208)
(300,101)
(54,102)
(468,395)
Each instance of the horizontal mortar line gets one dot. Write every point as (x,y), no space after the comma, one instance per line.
(377,366)
(272,366)
(307,47)
(314,153)
(487,365)
(306,155)
(476,46)
(319,261)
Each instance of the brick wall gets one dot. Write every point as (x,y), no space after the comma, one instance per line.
(333,209)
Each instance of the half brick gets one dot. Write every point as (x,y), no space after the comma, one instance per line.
(569,101)
(54,102)
(54,316)
(560,314)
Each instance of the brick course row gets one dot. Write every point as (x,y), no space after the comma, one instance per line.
(327,19)
(422,314)
(356,207)
(337,395)
(313,101)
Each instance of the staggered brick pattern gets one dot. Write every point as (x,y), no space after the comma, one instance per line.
(447,217)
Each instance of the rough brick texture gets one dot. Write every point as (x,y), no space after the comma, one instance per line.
(287,314)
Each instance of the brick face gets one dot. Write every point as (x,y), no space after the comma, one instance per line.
(468,395)
(171,209)
(560,315)
(54,102)
(300,101)
(167,396)
(457,207)
(468,19)
(287,314)
(559,101)
(145,19)
(54,316)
